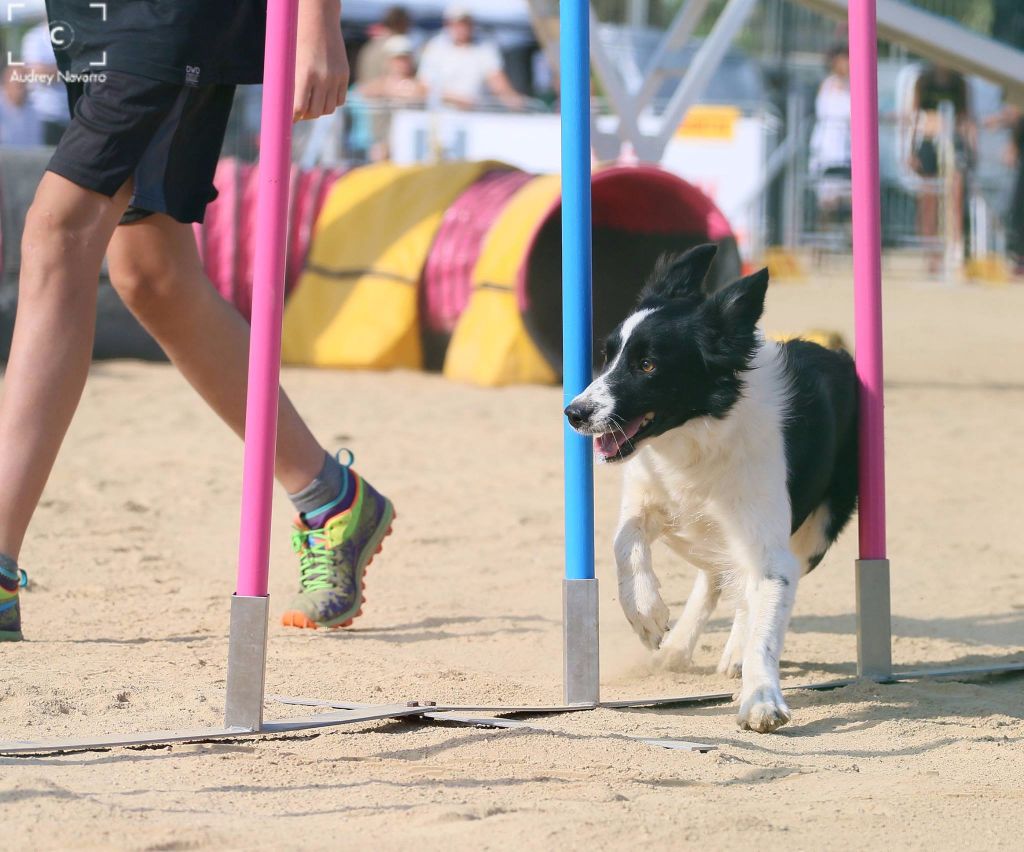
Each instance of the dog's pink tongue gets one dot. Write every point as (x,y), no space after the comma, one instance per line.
(609,444)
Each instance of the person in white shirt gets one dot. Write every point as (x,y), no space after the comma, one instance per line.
(20,126)
(463,72)
(48,99)
(830,139)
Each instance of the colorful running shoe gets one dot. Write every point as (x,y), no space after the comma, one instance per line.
(333,560)
(10,616)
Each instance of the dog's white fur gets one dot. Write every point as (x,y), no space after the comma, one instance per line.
(715,492)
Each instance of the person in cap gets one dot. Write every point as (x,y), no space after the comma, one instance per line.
(373,59)
(462,71)
(396,88)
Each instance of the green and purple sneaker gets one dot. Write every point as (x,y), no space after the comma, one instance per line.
(10,610)
(333,560)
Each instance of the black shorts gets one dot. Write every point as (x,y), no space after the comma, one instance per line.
(165,136)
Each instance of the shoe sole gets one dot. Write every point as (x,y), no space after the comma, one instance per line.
(297,618)
(11,636)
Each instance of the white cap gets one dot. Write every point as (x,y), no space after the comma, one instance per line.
(398,45)
(457,12)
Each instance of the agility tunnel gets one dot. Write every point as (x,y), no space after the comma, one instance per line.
(448,266)
(226,237)
(457,266)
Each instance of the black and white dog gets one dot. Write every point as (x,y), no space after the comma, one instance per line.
(741,455)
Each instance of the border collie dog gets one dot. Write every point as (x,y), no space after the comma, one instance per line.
(740,454)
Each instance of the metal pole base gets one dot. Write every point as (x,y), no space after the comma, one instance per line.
(874,619)
(581,653)
(247,663)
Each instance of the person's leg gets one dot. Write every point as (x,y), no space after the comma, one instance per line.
(155,268)
(66,232)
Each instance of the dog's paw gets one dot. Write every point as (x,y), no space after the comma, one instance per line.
(650,623)
(730,667)
(762,709)
(674,659)
(645,610)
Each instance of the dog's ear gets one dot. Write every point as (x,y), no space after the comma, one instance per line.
(733,314)
(739,306)
(680,276)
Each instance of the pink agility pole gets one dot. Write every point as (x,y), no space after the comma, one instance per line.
(867,273)
(874,618)
(267,297)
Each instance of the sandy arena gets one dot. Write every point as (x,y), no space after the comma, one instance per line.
(132,559)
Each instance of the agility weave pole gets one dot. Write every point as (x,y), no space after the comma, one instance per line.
(249,610)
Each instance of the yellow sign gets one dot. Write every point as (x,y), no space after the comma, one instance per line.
(710,122)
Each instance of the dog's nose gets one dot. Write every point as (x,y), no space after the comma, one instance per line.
(578,412)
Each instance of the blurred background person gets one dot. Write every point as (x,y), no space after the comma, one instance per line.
(937,85)
(830,139)
(463,72)
(1008,27)
(46,93)
(20,126)
(396,88)
(373,59)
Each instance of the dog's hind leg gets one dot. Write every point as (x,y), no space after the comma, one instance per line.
(638,586)
(678,646)
(731,663)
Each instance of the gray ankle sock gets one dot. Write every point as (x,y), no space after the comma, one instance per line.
(323,490)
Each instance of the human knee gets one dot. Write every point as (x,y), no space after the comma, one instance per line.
(143,282)
(57,251)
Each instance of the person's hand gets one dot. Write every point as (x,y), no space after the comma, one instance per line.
(321,64)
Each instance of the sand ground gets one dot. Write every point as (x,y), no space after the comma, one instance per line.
(132,557)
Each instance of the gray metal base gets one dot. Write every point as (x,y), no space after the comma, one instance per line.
(581,672)
(353,712)
(247,663)
(874,618)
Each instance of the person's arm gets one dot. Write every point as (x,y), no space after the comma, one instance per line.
(501,87)
(321,66)
(497,80)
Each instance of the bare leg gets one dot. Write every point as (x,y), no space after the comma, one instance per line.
(66,233)
(678,646)
(155,268)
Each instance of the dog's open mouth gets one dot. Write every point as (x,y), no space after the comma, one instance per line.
(616,445)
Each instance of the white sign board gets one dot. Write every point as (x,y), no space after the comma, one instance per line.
(727,166)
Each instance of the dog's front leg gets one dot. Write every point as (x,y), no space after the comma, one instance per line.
(681,640)
(771,590)
(638,587)
(731,663)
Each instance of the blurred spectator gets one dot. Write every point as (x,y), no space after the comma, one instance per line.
(397,87)
(20,126)
(931,156)
(830,140)
(1008,27)
(373,58)
(461,71)
(46,93)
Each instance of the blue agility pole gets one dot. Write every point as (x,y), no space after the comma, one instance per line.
(580,587)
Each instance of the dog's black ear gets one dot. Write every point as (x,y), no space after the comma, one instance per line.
(681,275)
(733,316)
(739,306)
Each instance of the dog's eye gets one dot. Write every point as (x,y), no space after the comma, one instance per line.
(647,365)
